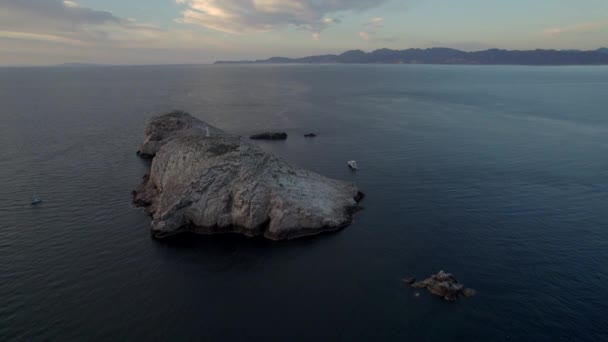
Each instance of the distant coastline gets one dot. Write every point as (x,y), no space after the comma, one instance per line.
(448,56)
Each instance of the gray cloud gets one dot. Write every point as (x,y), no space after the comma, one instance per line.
(370,31)
(59,9)
(60,21)
(57,14)
(239,16)
(49,31)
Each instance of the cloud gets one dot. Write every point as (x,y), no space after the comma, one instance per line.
(376,22)
(41,31)
(371,28)
(364,35)
(67,22)
(577,28)
(372,37)
(63,22)
(52,14)
(39,37)
(245,16)
(458,45)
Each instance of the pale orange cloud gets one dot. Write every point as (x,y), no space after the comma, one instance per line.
(576,28)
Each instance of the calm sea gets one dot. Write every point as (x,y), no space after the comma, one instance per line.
(496,174)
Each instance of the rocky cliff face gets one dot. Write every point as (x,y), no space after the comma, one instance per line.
(203,180)
(162,129)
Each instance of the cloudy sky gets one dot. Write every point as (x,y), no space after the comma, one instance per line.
(41,32)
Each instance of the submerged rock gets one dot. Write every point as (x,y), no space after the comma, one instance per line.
(443,285)
(269,136)
(409,281)
(203,180)
(359,197)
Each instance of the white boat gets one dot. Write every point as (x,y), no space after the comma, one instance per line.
(353,165)
(36,200)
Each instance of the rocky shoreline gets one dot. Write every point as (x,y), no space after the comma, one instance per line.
(205,181)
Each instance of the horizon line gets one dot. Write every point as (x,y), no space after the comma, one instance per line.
(235,61)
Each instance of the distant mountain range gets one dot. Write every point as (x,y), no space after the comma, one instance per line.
(450,56)
(80,65)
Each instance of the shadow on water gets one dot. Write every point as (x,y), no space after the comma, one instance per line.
(235,240)
(147,162)
(238,256)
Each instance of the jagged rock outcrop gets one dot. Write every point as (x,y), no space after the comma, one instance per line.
(162,129)
(443,285)
(203,180)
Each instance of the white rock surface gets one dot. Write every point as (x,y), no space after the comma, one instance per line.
(219,183)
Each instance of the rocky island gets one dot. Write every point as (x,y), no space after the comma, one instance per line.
(443,285)
(203,180)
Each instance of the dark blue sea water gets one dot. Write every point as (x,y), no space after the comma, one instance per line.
(497,174)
